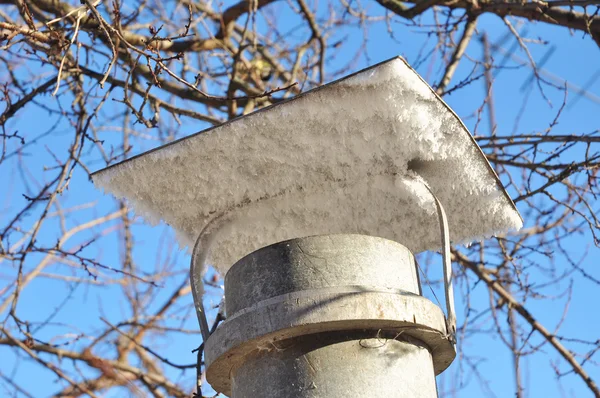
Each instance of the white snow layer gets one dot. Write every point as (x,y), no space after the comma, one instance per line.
(339,159)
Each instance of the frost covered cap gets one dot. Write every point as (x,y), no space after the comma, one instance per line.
(347,157)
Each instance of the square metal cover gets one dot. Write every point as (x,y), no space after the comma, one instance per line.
(347,157)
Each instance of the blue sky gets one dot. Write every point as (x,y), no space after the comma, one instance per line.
(575,60)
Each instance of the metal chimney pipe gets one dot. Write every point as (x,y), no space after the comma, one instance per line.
(331,316)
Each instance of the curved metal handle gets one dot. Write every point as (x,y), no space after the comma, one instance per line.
(195,283)
(447,266)
(199,256)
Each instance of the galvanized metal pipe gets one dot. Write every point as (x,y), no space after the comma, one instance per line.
(328,317)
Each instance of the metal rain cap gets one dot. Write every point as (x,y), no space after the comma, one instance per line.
(351,156)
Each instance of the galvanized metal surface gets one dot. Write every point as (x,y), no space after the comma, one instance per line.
(346,303)
(338,365)
(318,262)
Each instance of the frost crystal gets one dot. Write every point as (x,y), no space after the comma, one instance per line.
(338,159)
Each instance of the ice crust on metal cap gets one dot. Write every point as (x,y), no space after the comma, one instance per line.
(344,158)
